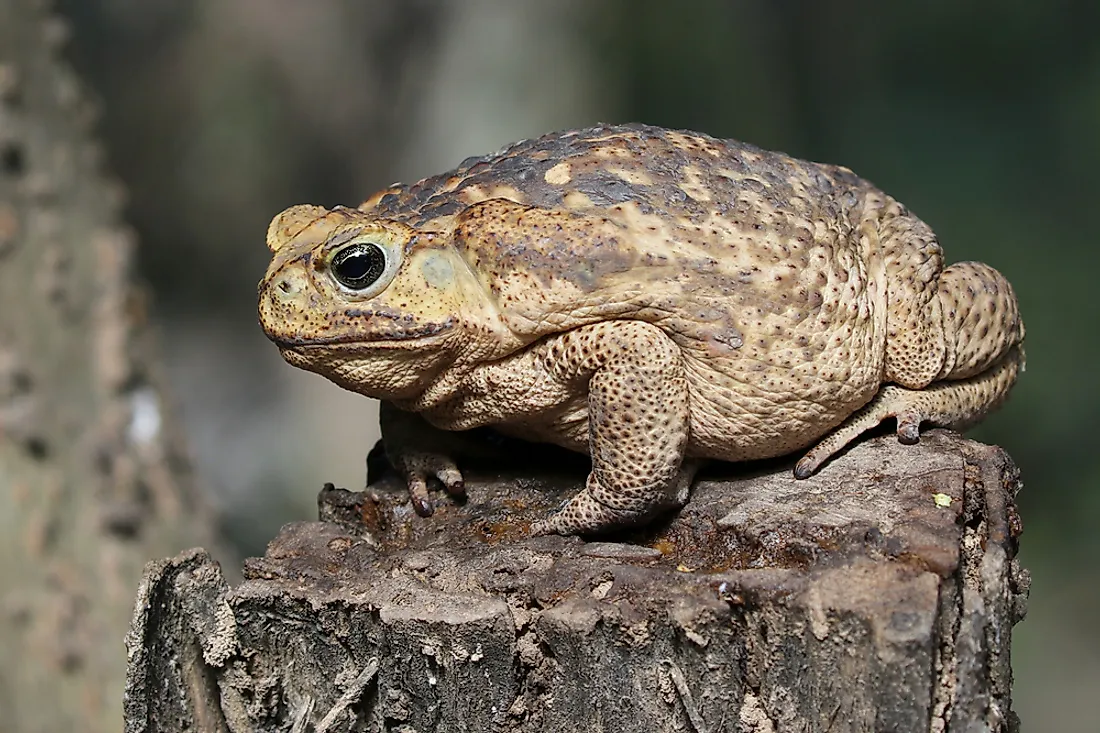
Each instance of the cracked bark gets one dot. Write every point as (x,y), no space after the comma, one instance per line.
(878,595)
(91,484)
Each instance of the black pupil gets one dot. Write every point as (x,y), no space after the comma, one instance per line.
(359,265)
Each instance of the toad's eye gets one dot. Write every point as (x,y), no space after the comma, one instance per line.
(359,265)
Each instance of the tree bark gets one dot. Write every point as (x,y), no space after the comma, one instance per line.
(878,595)
(91,483)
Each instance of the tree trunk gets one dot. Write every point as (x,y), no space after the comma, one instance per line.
(878,595)
(91,483)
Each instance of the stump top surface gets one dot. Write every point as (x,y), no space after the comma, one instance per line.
(881,504)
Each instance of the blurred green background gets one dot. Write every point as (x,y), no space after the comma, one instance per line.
(983,117)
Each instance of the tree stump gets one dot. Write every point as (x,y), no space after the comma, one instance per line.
(878,595)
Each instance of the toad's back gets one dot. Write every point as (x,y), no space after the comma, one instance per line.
(676,176)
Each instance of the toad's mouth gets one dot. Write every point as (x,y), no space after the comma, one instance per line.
(401,337)
(353,343)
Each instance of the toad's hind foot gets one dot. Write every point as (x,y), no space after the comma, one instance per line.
(953,404)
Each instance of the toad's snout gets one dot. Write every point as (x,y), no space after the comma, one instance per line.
(287,287)
(285,305)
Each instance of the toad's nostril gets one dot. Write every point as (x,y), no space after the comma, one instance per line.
(287,288)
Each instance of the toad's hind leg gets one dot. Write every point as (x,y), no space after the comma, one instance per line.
(952,404)
(952,355)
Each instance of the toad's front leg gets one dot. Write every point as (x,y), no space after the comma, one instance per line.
(637,423)
(419,452)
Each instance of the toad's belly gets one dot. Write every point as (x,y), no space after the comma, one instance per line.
(737,410)
(749,408)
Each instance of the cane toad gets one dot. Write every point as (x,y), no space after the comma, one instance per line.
(647,296)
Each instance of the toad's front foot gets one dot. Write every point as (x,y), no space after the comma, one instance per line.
(420,452)
(417,467)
